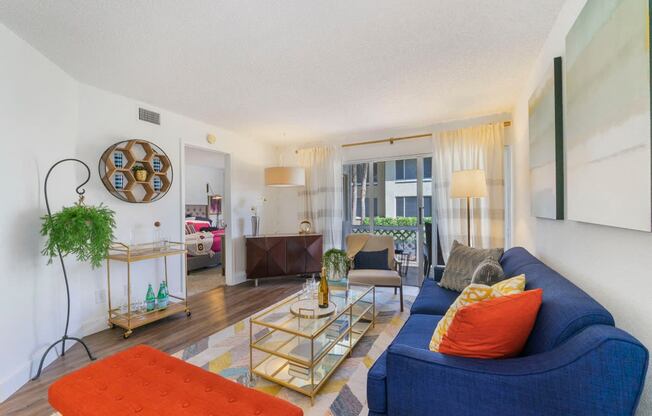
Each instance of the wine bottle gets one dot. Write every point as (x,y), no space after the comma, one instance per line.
(323,290)
(150,300)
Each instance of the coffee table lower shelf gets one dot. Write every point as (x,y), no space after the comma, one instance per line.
(276,369)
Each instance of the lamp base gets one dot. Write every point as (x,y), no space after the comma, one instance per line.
(61,340)
(468,221)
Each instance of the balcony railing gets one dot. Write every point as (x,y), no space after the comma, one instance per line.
(405,237)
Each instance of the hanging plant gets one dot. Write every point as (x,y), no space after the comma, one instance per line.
(337,263)
(81,230)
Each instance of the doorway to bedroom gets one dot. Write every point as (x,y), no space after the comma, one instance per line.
(204,217)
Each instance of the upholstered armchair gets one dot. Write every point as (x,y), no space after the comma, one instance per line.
(381,276)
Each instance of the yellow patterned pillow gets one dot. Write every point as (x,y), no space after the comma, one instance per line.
(472,294)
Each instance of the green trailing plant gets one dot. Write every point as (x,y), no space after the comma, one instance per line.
(336,262)
(85,231)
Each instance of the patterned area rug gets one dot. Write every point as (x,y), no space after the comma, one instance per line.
(344,394)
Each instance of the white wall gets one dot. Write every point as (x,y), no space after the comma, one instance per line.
(203,167)
(38,110)
(613,265)
(196,179)
(45,115)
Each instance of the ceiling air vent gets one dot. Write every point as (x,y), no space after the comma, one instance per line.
(149,116)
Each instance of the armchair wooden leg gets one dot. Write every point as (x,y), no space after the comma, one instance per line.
(395,290)
(401,289)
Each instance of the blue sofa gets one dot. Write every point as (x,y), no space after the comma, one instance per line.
(576,362)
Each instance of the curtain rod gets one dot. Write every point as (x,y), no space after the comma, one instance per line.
(392,140)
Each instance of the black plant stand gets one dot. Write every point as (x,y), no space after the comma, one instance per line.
(65,336)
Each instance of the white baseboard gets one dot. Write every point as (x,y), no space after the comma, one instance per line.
(10,384)
(238,278)
(93,326)
(24,372)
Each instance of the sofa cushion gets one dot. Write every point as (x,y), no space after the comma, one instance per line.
(416,333)
(433,299)
(371,260)
(375,277)
(473,294)
(488,272)
(494,328)
(461,264)
(565,309)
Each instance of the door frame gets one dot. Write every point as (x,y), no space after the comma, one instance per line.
(421,231)
(227,253)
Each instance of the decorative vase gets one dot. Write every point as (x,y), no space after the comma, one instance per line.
(141,175)
(255,225)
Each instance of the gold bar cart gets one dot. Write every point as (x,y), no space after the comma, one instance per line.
(132,319)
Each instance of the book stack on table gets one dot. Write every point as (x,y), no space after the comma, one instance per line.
(299,371)
(337,328)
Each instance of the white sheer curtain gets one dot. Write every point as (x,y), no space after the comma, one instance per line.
(323,192)
(479,147)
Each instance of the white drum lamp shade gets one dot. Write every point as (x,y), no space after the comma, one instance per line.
(468,184)
(285,176)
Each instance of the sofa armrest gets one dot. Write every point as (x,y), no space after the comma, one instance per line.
(598,371)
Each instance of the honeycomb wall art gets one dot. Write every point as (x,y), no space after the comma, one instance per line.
(119,169)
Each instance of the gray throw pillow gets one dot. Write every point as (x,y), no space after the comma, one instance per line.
(489,272)
(462,262)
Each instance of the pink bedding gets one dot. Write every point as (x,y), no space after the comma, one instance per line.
(217,240)
(198,224)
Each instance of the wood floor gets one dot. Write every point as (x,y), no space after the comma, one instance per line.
(211,312)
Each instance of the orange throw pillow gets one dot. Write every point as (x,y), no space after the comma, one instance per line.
(495,328)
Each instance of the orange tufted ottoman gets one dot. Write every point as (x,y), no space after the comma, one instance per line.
(144,381)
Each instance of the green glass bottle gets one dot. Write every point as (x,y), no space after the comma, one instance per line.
(162,297)
(150,300)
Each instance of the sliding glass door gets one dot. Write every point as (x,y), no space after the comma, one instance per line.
(392,197)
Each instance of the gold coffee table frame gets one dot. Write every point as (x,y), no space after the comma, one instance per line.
(316,346)
(130,254)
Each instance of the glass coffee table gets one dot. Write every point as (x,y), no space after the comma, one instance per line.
(299,346)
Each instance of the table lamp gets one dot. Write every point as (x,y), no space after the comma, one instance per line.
(468,184)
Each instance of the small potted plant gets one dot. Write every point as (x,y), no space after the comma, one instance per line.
(85,231)
(140,173)
(337,263)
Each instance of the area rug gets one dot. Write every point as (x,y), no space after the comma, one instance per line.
(345,393)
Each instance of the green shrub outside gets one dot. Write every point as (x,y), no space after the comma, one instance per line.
(396,221)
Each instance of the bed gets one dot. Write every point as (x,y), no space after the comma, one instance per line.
(203,240)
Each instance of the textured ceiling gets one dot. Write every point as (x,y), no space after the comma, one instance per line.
(296,70)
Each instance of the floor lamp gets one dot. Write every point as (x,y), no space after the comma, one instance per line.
(468,184)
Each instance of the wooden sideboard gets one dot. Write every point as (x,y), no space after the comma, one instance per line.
(283,255)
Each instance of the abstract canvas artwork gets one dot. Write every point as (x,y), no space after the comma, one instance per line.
(608,162)
(546,132)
